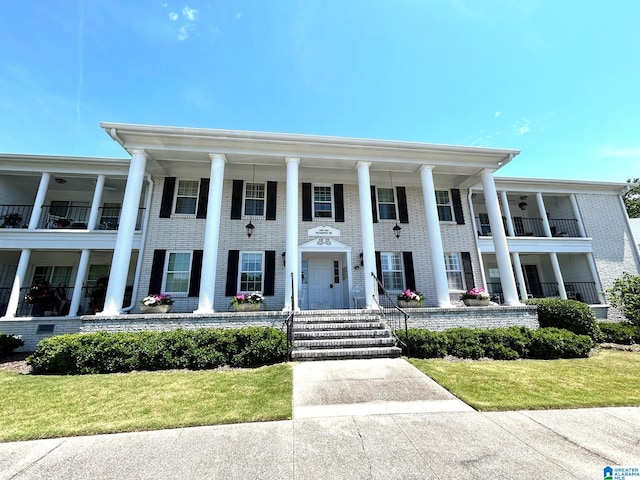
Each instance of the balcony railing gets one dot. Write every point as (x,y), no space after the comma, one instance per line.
(63,217)
(583,291)
(534,227)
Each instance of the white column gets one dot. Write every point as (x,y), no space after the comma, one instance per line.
(435,237)
(596,277)
(543,213)
(517,266)
(292,257)
(95,204)
(507,214)
(557,273)
(18,282)
(126,230)
(83,264)
(576,214)
(499,240)
(39,201)
(211,235)
(368,243)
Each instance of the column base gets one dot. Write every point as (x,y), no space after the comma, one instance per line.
(203,311)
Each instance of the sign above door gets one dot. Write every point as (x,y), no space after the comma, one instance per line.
(323,231)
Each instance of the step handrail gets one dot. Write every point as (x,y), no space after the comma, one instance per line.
(388,313)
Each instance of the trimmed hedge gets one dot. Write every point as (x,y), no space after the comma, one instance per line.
(571,315)
(498,343)
(8,343)
(623,333)
(105,352)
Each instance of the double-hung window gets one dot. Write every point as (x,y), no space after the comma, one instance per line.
(386,204)
(251,272)
(453,267)
(254,195)
(322,202)
(177,273)
(186,197)
(392,276)
(443,201)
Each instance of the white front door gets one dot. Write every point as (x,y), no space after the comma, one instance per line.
(324,289)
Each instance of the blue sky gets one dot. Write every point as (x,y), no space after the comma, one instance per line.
(557,79)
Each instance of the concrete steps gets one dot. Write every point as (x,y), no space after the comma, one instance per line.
(331,335)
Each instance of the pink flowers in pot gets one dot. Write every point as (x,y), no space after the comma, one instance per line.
(476,293)
(411,295)
(157,299)
(240,298)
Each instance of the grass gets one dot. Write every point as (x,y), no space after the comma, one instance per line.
(53,406)
(607,378)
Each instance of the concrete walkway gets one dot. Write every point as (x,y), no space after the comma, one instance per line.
(359,419)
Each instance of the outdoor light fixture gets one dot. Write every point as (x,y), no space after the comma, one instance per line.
(523,205)
(284,259)
(361,259)
(61,181)
(396,230)
(249,227)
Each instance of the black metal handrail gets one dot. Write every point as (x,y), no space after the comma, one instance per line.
(289,322)
(534,227)
(15,216)
(390,315)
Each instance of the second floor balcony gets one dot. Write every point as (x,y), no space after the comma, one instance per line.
(532,227)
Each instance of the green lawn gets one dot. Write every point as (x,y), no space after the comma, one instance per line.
(36,406)
(607,378)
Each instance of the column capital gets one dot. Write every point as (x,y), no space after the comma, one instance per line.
(218,156)
(139,152)
(426,167)
(292,160)
(362,164)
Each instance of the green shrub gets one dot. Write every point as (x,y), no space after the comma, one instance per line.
(624,333)
(625,294)
(105,352)
(8,343)
(571,315)
(552,343)
(424,343)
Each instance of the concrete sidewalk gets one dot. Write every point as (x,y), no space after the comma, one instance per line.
(378,432)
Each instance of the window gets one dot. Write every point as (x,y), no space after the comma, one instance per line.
(444,206)
(453,267)
(177,273)
(386,204)
(251,271)
(254,199)
(392,278)
(186,197)
(322,202)
(52,274)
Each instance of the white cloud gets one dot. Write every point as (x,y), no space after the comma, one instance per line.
(189,13)
(173,16)
(497,114)
(183,33)
(521,127)
(238,16)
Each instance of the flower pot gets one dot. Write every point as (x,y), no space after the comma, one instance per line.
(155,308)
(474,302)
(247,307)
(408,303)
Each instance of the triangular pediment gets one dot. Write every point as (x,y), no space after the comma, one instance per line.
(324,244)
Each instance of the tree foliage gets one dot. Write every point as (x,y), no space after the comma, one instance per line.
(625,294)
(632,199)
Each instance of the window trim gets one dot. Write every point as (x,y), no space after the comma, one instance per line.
(244,200)
(447,270)
(402,270)
(395,204)
(313,201)
(262,275)
(165,272)
(175,198)
(448,205)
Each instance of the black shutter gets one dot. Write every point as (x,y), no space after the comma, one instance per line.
(232,273)
(409,276)
(167,197)
(306,202)
(457,206)
(196,272)
(338,200)
(269,273)
(468,270)
(157,271)
(203,198)
(272,193)
(374,204)
(379,271)
(236,200)
(403,210)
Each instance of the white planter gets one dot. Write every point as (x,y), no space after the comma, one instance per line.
(247,307)
(155,308)
(474,302)
(408,303)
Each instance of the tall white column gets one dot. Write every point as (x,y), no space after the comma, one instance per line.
(555,264)
(211,235)
(39,201)
(83,264)
(95,204)
(18,282)
(507,213)
(576,214)
(596,277)
(435,237)
(499,240)
(368,243)
(543,213)
(126,230)
(292,257)
(517,266)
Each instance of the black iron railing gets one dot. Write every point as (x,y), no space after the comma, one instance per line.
(289,322)
(394,316)
(75,217)
(583,291)
(534,227)
(15,216)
